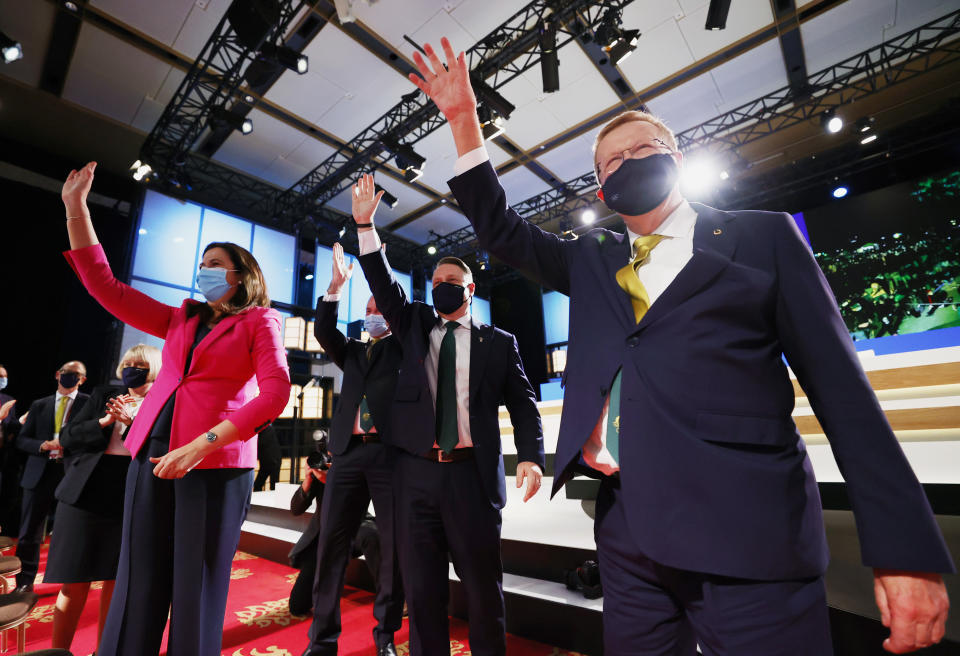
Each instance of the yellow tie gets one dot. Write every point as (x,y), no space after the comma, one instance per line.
(58,417)
(627,276)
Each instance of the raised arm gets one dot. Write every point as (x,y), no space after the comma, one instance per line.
(88,260)
(542,256)
(333,341)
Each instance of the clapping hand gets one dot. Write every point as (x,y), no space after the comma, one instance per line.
(366,198)
(76,188)
(117,408)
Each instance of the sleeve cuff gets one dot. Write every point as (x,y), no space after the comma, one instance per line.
(475,157)
(330,298)
(369,241)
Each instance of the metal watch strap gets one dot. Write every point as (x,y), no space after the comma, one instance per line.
(212,437)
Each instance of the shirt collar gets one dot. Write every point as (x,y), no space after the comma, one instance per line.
(72,395)
(464,321)
(679,225)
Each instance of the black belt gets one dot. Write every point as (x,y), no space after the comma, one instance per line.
(367,438)
(457,455)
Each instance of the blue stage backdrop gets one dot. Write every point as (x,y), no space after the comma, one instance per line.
(171,236)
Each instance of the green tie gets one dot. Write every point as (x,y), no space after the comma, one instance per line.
(447,433)
(58,417)
(630,283)
(366,420)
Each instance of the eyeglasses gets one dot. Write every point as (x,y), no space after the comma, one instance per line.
(68,371)
(635,152)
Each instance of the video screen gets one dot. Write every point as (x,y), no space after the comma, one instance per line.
(892,256)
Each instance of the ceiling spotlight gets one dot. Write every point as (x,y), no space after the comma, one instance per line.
(840,192)
(549,61)
(624,47)
(867,139)
(309,276)
(588,217)
(489,96)
(699,176)
(724,175)
(286,57)
(490,122)
(342,231)
(72,6)
(221,117)
(483,258)
(717,14)
(408,160)
(431,250)
(865,124)
(615,41)
(831,121)
(388,198)
(142,171)
(10,49)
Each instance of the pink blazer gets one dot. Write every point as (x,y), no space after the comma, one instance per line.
(242,352)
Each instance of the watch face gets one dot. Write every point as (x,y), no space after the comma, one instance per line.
(211,437)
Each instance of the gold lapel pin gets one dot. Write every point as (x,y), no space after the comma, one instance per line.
(717,231)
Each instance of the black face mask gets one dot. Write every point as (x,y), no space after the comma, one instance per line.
(69,379)
(134,377)
(447,297)
(639,185)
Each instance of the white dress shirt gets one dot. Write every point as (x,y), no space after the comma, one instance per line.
(656,273)
(71,397)
(369,243)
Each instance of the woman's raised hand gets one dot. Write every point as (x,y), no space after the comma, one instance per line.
(76,188)
(366,198)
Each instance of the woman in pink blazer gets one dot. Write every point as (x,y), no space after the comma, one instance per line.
(224,378)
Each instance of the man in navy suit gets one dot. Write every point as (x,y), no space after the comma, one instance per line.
(363,462)
(450,477)
(9,459)
(43,471)
(708,522)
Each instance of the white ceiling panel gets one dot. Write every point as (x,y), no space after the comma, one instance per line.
(751,75)
(520,184)
(441,154)
(687,105)
(256,152)
(283,172)
(480,17)
(440,25)
(690,6)
(160,20)
(100,62)
(309,153)
(661,52)
(391,20)
(746,17)
(408,199)
(914,13)
(29,24)
(309,96)
(645,16)
(147,115)
(583,90)
(572,159)
(845,30)
(530,123)
(199,26)
(442,221)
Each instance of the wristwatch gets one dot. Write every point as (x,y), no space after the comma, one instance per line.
(211,437)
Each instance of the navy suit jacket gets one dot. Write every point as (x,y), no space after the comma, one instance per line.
(375,377)
(715,477)
(496,374)
(38,429)
(84,442)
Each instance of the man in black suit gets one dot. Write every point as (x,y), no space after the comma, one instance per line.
(450,477)
(40,439)
(363,468)
(9,459)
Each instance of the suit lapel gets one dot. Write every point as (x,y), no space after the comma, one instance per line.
(481,337)
(616,255)
(218,331)
(714,243)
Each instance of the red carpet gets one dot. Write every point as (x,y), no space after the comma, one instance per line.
(258,623)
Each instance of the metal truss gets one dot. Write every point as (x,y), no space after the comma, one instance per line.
(505,53)
(211,82)
(914,53)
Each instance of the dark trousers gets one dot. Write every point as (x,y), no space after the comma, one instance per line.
(363,472)
(269,469)
(366,543)
(442,509)
(179,538)
(656,610)
(37,504)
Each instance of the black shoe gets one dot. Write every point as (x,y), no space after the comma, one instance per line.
(26,587)
(387,650)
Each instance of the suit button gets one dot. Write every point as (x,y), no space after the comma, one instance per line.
(633,341)
(603,391)
(180,379)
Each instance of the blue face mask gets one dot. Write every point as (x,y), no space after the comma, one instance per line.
(213,283)
(375,324)
(3,382)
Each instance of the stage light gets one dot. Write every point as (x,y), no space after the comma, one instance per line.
(840,192)
(72,6)
(699,176)
(140,170)
(12,50)
(408,160)
(624,47)
(831,121)
(717,14)
(617,42)
(388,198)
(491,97)
(342,231)
(868,139)
(549,61)
(309,276)
(483,258)
(286,57)
(865,124)
(588,217)
(724,175)
(491,123)
(220,117)
(431,250)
